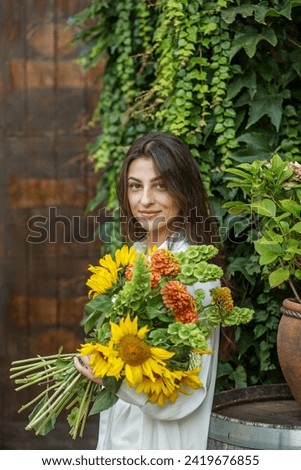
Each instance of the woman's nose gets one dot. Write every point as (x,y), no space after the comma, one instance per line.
(146,197)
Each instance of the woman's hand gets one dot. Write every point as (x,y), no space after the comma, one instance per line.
(82,364)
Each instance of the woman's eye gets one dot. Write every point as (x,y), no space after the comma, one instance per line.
(134,185)
(161,186)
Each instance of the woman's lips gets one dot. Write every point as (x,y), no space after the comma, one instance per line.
(148,214)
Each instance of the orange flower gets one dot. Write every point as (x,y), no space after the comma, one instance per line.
(176,296)
(128,274)
(164,263)
(155,277)
(186,316)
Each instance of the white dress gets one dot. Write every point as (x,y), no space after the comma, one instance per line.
(133,423)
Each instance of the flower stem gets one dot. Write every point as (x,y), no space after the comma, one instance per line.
(56,409)
(38,378)
(82,410)
(27,369)
(42,358)
(93,387)
(37,398)
(49,406)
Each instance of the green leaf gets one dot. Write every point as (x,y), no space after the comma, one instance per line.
(50,423)
(269,105)
(238,83)
(278,277)
(112,384)
(265,207)
(103,401)
(239,172)
(259,331)
(236,207)
(291,206)
(95,311)
(224,369)
(230,14)
(271,236)
(268,251)
(250,39)
(240,377)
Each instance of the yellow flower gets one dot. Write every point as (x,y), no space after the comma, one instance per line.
(99,282)
(125,256)
(98,357)
(191,379)
(164,388)
(169,385)
(137,358)
(106,274)
(222,298)
(152,250)
(127,354)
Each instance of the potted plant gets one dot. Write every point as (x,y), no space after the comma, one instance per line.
(272,201)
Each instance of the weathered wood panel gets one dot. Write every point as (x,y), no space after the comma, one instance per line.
(46,239)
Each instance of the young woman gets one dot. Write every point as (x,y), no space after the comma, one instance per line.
(163,202)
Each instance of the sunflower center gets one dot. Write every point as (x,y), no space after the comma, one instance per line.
(133,351)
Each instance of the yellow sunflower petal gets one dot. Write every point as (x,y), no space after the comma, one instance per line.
(117,333)
(150,367)
(161,354)
(85,349)
(133,374)
(115,367)
(128,326)
(100,282)
(142,332)
(100,366)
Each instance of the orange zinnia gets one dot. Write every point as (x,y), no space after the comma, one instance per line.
(176,296)
(186,316)
(128,274)
(164,263)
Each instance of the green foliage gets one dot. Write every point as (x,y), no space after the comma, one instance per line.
(225,77)
(273,192)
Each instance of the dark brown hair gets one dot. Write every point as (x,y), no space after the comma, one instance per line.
(181,175)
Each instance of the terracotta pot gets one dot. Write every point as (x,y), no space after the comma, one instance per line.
(289,346)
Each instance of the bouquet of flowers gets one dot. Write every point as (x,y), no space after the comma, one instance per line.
(145,324)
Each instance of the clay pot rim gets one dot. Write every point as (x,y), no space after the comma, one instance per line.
(292,304)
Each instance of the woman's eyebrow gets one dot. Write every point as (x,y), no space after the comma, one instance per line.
(156,178)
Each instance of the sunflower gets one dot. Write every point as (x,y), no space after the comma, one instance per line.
(127,354)
(159,391)
(98,357)
(106,274)
(137,358)
(169,385)
(100,282)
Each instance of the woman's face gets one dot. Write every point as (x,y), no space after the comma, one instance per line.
(150,202)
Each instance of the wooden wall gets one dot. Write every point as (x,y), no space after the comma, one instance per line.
(46,240)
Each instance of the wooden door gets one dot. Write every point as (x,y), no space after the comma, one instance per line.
(46,239)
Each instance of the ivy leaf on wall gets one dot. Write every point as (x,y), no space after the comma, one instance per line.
(250,39)
(229,15)
(262,11)
(265,104)
(248,81)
